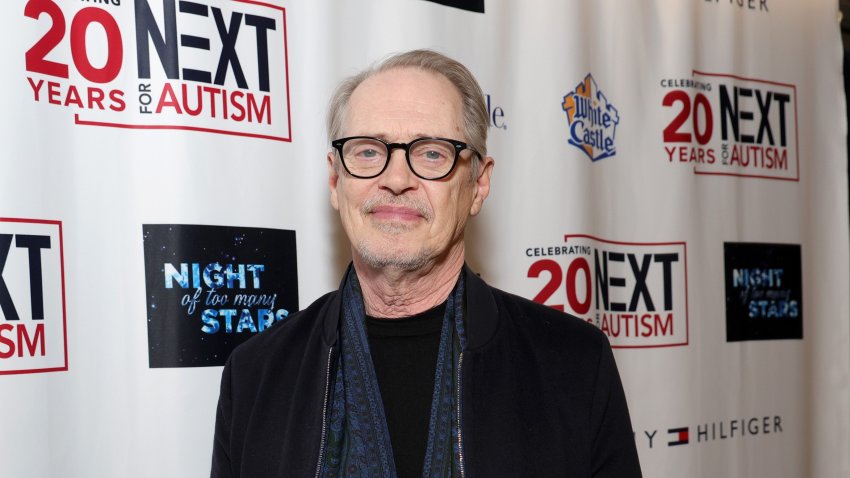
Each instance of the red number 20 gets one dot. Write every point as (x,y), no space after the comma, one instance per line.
(37,62)
(672,133)
(578,306)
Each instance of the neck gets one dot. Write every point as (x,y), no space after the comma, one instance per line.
(394,293)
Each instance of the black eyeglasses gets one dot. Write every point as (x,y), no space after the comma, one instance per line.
(365,157)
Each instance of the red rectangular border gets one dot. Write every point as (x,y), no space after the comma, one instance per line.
(687,305)
(64,314)
(796,129)
(288,139)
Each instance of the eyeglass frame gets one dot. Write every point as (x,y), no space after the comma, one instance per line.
(458,145)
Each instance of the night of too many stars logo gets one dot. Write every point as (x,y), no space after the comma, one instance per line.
(592,120)
(764,292)
(210,288)
(33,336)
(218,66)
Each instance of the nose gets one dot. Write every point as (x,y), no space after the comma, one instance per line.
(398,177)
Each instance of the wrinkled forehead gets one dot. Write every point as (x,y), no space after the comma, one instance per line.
(402,102)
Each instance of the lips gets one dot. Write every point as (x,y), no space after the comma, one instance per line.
(395,213)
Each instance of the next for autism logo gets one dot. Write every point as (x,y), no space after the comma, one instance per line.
(217,66)
(730,125)
(592,119)
(33,335)
(636,293)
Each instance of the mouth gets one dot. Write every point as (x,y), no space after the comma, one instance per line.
(392,213)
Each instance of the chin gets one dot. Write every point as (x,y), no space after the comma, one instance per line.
(391,255)
(395,227)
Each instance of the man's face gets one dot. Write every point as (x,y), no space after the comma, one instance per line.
(397,219)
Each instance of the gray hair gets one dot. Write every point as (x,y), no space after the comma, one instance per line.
(475,118)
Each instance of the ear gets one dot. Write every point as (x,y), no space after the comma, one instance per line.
(482,185)
(333,179)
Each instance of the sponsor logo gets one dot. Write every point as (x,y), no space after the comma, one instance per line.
(702,433)
(33,335)
(637,293)
(469,5)
(764,298)
(218,66)
(496,114)
(732,126)
(210,288)
(592,120)
(678,436)
(751,5)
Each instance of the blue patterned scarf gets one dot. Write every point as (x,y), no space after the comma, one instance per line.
(358,441)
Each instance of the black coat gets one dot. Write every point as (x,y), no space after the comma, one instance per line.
(540,394)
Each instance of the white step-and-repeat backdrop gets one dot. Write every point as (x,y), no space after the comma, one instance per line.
(674,172)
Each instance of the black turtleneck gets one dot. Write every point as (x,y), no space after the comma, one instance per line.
(404,353)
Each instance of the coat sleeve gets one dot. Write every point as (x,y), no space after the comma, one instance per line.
(613,445)
(221,463)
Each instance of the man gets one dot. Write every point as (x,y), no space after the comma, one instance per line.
(415,367)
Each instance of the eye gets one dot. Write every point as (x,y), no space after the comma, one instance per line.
(434,155)
(432,151)
(367,153)
(364,150)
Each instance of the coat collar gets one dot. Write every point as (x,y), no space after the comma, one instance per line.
(481,314)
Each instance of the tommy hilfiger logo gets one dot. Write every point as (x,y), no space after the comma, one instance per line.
(736,428)
(680,436)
